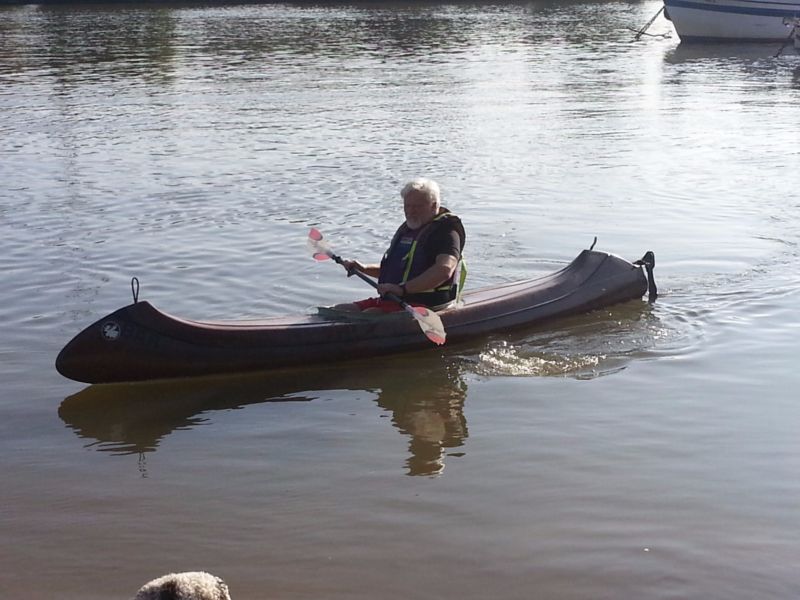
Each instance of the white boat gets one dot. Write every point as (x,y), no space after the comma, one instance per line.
(733,20)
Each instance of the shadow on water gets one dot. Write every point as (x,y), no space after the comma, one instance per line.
(132,39)
(91,41)
(134,418)
(726,53)
(145,39)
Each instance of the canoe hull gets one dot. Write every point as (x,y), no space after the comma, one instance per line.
(139,342)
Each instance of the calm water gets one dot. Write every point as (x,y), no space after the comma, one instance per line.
(638,452)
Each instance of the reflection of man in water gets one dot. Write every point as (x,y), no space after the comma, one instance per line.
(427,406)
(432,413)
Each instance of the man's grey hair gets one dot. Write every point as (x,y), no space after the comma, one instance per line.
(428,187)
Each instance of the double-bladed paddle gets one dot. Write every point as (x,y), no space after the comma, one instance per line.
(429,321)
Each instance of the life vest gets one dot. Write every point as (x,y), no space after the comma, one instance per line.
(416,260)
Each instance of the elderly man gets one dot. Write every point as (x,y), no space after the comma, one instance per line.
(421,263)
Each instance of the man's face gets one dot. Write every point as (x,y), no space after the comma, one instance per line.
(419,210)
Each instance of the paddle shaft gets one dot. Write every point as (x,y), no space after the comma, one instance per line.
(338,260)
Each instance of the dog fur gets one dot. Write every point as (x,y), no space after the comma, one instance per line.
(193,585)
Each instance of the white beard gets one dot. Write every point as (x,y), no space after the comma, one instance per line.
(413,223)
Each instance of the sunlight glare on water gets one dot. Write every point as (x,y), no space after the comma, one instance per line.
(506,360)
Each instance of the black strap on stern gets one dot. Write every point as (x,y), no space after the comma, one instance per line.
(648,261)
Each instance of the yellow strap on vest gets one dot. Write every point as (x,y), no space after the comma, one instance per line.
(462,278)
(409,258)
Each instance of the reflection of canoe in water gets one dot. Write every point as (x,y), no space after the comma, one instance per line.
(138,342)
(123,419)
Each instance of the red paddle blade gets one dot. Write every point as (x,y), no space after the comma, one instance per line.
(430,323)
(319,249)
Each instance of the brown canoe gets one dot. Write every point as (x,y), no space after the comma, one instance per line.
(139,342)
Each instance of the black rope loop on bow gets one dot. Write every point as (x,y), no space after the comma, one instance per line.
(135,289)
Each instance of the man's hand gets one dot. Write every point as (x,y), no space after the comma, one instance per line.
(434,276)
(390,288)
(351,266)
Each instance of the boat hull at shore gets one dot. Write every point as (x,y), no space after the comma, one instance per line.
(732,20)
(139,342)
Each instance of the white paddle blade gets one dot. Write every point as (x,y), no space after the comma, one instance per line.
(319,248)
(430,323)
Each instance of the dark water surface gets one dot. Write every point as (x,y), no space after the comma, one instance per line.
(645,451)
